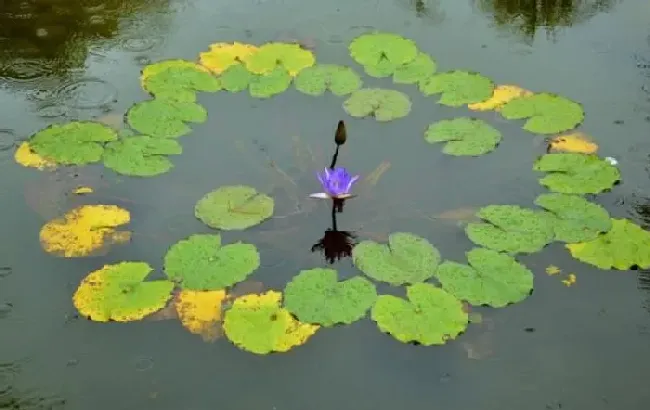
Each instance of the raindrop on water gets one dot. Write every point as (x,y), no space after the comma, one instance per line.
(86,93)
(5,309)
(26,70)
(143,363)
(138,45)
(7,140)
(51,110)
(5,271)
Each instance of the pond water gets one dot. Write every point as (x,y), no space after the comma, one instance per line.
(580,347)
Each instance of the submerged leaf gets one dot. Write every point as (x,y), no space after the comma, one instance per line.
(464,136)
(236,78)
(502,95)
(431,316)
(547,113)
(257,323)
(576,173)
(576,142)
(625,246)
(200,312)
(384,105)
(270,56)
(234,207)
(177,80)
(420,68)
(512,229)
(118,292)
(316,296)
(141,156)
(165,118)
(552,270)
(85,230)
(26,157)
(458,87)
(72,143)
(381,53)
(221,56)
(340,80)
(492,278)
(407,258)
(201,263)
(577,220)
(269,84)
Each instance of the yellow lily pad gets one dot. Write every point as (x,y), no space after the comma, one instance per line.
(576,142)
(502,95)
(223,55)
(200,312)
(26,157)
(85,230)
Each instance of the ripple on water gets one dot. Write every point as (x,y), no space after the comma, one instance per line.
(8,372)
(5,309)
(140,44)
(51,110)
(26,70)
(86,93)
(7,141)
(5,271)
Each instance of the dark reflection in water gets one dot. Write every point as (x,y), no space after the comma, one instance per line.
(335,245)
(429,10)
(42,38)
(525,17)
(15,399)
(642,211)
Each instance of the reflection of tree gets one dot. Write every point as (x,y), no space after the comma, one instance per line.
(525,16)
(48,37)
(642,211)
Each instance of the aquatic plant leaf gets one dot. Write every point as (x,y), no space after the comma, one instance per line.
(118,292)
(381,53)
(501,95)
(165,118)
(576,142)
(234,207)
(316,296)
(85,230)
(270,84)
(200,312)
(570,280)
(72,143)
(570,173)
(625,246)
(83,190)
(458,87)
(177,80)
(222,56)
(26,157)
(552,270)
(420,68)
(511,228)
(258,324)
(547,113)
(577,220)
(141,156)
(407,258)
(464,136)
(340,80)
(384,105)
(201,263)
(492,278)
(431,316)
(236,78)
(291,57)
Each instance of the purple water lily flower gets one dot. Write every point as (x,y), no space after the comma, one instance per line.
(336,182)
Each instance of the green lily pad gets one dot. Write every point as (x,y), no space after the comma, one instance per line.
(422,67)
(492,278)
(316,296)
(381,53)
(72,143)
(464,136)
(577,220)
(547,113)
(458,87)
(201,263)
(236,78)
(431,316)
(119,293)
(407,258)
(625,246)
(511,228)
(234,207)
(258,324)
(384,105)
(571,173)
(270,56)
(178,80)
(270,84)
(165,118)
(141,156)
(340,80)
